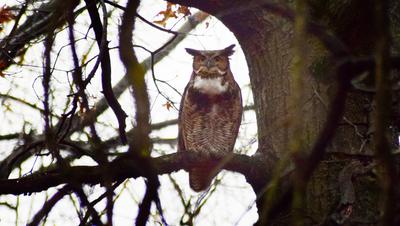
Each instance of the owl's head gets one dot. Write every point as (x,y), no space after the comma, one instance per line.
(211,62)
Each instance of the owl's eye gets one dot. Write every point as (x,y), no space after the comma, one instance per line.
(218,58)
(201,57)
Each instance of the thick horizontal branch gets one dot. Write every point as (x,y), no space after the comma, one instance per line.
(124,168)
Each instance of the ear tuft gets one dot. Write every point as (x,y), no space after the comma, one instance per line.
(193,52)
(229,50)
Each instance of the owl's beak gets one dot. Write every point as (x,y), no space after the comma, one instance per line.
(209,64)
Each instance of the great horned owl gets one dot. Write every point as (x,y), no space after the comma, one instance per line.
(210,112)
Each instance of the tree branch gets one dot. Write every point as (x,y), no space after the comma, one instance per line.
(106,69)
(49,16)
(21,153)
(49,205)
(126,167)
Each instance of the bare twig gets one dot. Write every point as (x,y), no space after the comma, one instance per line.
(345,207)
(123,84)
(49,134)
(103,31)
(49,205)
(90,207)
(49,16)
(382,116)
(106,70)
(142,18)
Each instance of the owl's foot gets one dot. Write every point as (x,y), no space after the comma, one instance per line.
(207,155)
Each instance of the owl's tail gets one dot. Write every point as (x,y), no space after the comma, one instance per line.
(200,177)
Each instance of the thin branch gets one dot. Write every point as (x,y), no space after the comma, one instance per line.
(35,26)
(123,84)
(49,205)
(106,69)
(90,207)
(21,101)
(150,195)
(142,18)
(297,124)
(80,87)
(10,136)
(138,147)
(49,135)
(135,74)
(382,115)
(18,18)
(103,48)
(46,84)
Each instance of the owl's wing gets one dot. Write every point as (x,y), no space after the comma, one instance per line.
(181,119)
(236,112)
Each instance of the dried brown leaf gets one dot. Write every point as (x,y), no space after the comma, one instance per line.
(171,11)
(166,15)
(6,14)
(168,105)
(184,10)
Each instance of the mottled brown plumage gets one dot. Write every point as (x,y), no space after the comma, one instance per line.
(210,112)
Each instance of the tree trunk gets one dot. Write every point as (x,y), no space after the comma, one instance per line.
(342,190)
(267,42)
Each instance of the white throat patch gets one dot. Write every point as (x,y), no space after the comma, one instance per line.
(210,85)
